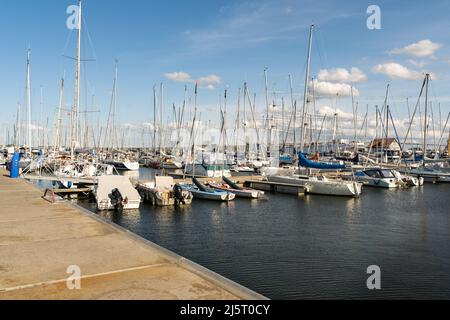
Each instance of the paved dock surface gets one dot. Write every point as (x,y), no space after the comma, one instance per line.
(39,241)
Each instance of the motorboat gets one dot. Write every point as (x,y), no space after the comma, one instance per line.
(378,178)
(116,193)
(164,192)
(124,165)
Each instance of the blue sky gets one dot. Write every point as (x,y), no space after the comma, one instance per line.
(222,43)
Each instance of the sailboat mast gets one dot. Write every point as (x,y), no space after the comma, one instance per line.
(245,122)
(161,102)
(267,113)
(225,130)
(28,102)
(76,105)
(154,119)
(293,116)
(305,94)
(115,139)
(425,129)
(58,127)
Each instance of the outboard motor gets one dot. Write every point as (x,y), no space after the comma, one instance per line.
(178,194)
(116,199)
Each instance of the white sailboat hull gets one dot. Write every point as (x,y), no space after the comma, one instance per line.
(331,188)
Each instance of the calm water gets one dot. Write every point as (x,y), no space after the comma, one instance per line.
(313,247)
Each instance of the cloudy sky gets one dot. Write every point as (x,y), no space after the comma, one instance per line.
(219,44)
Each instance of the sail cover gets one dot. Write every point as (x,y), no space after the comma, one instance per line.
(304,162)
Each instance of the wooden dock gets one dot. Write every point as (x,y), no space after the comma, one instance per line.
(275,187)
(36,177)
(41,244)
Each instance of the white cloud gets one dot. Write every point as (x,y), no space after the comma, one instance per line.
(397,71)
(323,88)
(342,75)
(423,48)
(326,110)
(208,82)
(179,76)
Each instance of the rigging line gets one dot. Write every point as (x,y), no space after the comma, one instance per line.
(318,47)
(414,113)
(86,28)
(68,39)
(393,103)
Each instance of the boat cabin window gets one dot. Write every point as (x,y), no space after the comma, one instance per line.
(373,173)
(387,174)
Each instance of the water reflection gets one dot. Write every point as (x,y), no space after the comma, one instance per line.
(290,247)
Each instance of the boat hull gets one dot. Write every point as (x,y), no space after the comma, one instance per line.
(329,188)
(124,165)
(379,183)
(214,196)
(245,193)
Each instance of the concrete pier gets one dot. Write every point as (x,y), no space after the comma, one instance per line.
(39,241)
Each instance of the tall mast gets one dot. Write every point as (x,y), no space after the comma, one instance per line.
(41,120)
(161,102)
(76,105)
(28,103)
(154,119)
(267,113)
(225,130)
(17,130)
(245,122)
(355,120)
(238,125)
(59,123)
(427,78)
(294,114)
(114,127)
(110,133)
(305,94)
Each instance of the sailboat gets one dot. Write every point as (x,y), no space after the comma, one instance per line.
(321,185)
(306,163)
(428,174)
(316,184)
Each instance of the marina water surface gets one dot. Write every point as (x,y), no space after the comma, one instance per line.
(288,247)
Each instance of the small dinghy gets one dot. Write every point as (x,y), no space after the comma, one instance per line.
(200,191)
(116,193)
(230,186)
